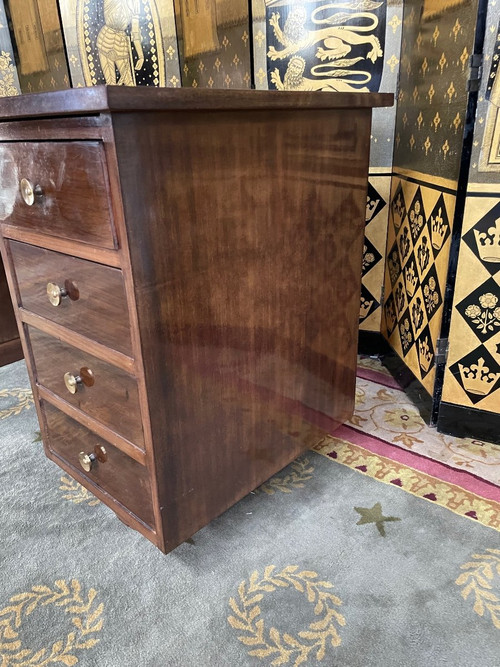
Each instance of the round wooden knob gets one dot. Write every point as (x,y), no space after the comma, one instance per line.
(29,191)
(87,460)
(72,381)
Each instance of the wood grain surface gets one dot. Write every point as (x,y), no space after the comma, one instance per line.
(247,267)
(100,99)
(120,476)
(74,201)
(113,400)
(100,312)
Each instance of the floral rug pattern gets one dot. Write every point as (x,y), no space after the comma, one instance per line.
(387,413)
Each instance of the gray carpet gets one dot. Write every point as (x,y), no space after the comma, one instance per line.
(295,575)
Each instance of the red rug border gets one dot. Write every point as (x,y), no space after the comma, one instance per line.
(420,462)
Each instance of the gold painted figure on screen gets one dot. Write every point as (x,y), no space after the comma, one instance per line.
(294,78)
(114,45)
(337,39)
(490,149)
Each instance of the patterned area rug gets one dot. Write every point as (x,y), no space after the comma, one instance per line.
(334,561)
(386,413)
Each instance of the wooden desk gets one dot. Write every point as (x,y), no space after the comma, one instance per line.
(202,252)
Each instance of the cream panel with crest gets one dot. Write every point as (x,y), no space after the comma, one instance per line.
(472,376)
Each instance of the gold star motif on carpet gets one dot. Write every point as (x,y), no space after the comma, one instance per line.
(374,515)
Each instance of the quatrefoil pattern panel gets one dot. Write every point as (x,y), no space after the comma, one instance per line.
(418,243)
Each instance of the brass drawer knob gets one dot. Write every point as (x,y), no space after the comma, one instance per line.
(55,293)
(29,191)
(87,460)
(72,381)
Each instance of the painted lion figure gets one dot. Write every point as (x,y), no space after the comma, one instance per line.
(337,40)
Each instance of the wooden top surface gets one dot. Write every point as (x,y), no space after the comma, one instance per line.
(78,101)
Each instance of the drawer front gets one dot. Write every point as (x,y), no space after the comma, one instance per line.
(95,305)
(112,399)
(73,200)
(123,478)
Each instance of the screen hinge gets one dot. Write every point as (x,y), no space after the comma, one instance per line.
(442,347)
(475,72)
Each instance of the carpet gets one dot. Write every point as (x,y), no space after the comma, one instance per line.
(323,564)
(385,412)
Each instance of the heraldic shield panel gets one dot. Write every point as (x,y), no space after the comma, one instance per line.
(121,42)
(324,45)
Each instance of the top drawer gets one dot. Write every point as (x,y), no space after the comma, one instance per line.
(69,183)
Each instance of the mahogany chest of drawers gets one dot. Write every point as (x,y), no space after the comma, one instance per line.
(185,269)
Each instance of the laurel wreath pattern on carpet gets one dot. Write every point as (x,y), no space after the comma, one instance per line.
(84,614)
(481,581)
(301,472)
(284,647)
(77,493)
(24,401)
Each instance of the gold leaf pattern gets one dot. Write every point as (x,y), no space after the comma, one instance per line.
(394,23)
(478,580)
(392,62)
(284,648)
(77,493)
(85,615)
(25,401)
(435,36)
(7,84)
(302,472)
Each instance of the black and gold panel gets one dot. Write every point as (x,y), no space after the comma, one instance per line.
(418,243)
(485,162)
(335,46)
(214,43)
(332,45)
(121,42)
(472,375)
(377,209)
(39,46)
(437,43)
